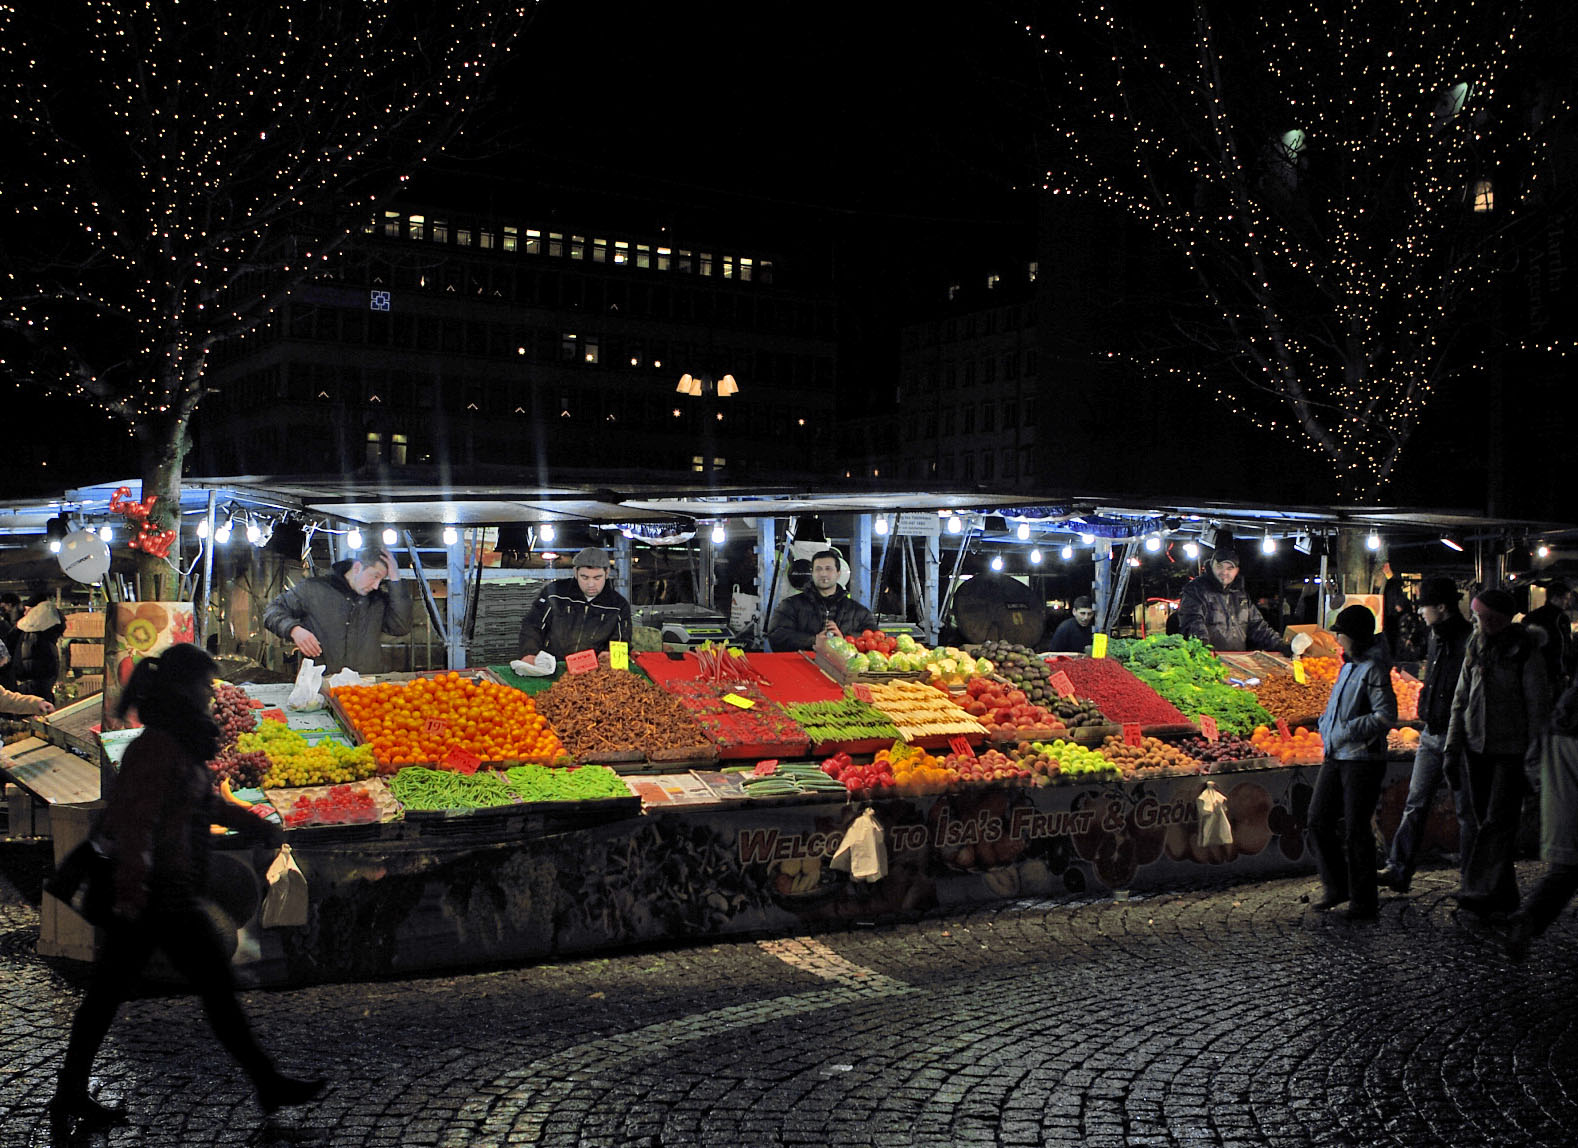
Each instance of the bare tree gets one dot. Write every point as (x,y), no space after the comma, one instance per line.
(1341,180)
(176,169)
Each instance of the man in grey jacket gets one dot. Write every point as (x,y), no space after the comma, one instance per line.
(338,619)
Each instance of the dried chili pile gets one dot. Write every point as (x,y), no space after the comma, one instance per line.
(1121,696)
(614,711)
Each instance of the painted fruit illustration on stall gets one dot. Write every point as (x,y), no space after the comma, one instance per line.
(1249,812)
(140,630)
(1114,842)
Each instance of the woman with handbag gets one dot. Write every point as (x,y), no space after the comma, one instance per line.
(155,832)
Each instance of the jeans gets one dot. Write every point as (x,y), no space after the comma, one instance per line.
(1497,785)
(1346,792)
(1428,773)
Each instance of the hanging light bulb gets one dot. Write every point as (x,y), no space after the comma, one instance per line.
(222,535)
(451,536)
(1067,552)
(1153,544)
(718,534)
(253,533)
(1035,557)
(1373,541)
(105,533)
(1544,551)
(1268,545)
(202,528)
(1191,550)
(54,546)
(546,532)
(954,525)
(1087,539)
(1023,532)
(997,562)
(389,536)
(881,524)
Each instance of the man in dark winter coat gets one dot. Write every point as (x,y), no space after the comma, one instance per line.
(824,607)
(338,619)
(1449,634)
(580,613)
(1552,618)
(1215,609)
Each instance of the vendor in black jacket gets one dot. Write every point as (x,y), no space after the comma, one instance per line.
(823,607)
(1215,609)
(575,614)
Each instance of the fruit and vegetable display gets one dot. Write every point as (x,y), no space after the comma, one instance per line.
(1005,709)
(1184,672)
(1322,669)
(762,728)
(1227,747)
(1060,760)
(430,790)
(847,720)
(918,711)
(1301,746)
(989,767)
(875,640)
(1022,668)
(353,803)
(427,720)
(951,666)
(236,714)
(799,778)
(291,762)
(722,664)
(1404,740)
(1151,758)
(617,712)
(1407,688)
(873,653)
(1285,697)
(1121,696)
(1079,713)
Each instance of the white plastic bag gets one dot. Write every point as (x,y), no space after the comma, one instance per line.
(1215,828)
(285,903)
(304,694)
(346,677)
(541,666)
(863,853)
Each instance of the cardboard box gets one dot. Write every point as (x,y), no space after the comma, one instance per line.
(1323,642)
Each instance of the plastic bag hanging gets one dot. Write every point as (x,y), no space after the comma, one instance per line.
(1215,829)
(305,695)
(863,853)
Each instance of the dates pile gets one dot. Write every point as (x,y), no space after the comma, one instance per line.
(1077,713)
(1225,748)
(1151,758)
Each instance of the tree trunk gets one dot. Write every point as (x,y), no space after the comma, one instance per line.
(163,451)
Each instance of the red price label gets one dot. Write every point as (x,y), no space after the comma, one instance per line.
(1062,684)
(273,715)
(862,693)
(435,725)
(581,661)
(462,760)
(1208,727)
(1282,727)
(960,747)
(1132,735)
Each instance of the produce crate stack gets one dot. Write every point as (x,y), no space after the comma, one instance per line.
(500,609)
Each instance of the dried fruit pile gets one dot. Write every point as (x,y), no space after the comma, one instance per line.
(1286,698)
(1224,748)
(616,712)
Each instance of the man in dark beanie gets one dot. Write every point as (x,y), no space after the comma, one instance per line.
(1361,711)
(1499,708)
(1448,638)
(1215,608)
(1552,618)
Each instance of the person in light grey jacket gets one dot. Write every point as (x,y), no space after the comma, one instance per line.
(339,619)
(1556,777)
(1360,712)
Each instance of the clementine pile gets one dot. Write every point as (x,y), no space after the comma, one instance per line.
(423,720)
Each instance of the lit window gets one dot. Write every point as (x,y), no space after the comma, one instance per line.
(556,243)
(705,267)
(397,449)
(746,267)
(682,258)
(599,251)
(589,352)
(993,280)
(440,231)
(485,239)
(533,241)
(1033,270)
(375,449)
(463,236)
(1449,103)
(766,271)
(392,224)
(511,239)
(418,226)
(621,252)
(728,267)
(664,258)
(577,247)
(643,255)
(1484,195)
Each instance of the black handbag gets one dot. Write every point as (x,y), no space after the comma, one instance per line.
(85,881)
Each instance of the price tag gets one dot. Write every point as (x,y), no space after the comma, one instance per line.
(1132,735)
(1299,675)
(737,700)
(1062,684)
(619,655)
(1282,727)
(1208,727)
(1098,645)
(960,746)
(435,725)
(581,661)
(461,760)
(862,692)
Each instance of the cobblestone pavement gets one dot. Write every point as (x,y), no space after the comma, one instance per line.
(1230,1016)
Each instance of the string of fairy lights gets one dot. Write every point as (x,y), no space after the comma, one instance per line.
(1337,253)
(189,165)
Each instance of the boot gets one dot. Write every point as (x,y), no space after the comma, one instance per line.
(73,1105)
(276,1092)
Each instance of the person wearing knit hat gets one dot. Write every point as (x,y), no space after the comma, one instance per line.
(1553,620)
(579,613)
(35,656)
(1501,704)
(1361,711)
(1216,609)
(1449,633)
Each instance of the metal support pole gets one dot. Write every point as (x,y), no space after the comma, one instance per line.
(1103,585)
(455,604)
(208,572)
(766,552)
(931,587)
(624,578)
(860,562)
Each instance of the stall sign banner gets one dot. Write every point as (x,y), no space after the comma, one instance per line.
(461,760)
(737,700)
(619,655)
(1298,671)
(862,692)
(960,747)
(1133,734)
(1062,684)
(581,661)
(1282,727)
(435,725)
(1208,727)
(1098,645)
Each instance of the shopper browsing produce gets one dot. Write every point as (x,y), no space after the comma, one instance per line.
(1073,634)
(1215,608)
(824,607)
(579,613)
(338,618)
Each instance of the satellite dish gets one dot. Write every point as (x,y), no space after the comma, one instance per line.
(84,556)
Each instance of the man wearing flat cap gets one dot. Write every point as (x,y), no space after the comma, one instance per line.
(1215,608)
(580,613)
(1449,632)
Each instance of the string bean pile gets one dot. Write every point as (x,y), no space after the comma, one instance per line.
(848,720)
(587,783)
(420,788)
